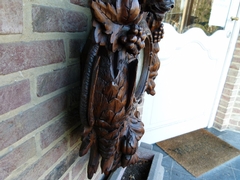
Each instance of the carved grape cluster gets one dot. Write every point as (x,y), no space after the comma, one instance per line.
(133,41)
(158,34)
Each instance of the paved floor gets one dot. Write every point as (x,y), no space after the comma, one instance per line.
(227,171)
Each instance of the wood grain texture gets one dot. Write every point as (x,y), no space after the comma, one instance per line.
(111,124)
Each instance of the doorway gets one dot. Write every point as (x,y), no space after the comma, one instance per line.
(194,62)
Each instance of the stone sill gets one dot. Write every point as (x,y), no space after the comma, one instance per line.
(145,151)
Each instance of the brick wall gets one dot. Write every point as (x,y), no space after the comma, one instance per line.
(229,107)
(40,43)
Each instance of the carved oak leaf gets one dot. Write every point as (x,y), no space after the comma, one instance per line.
(134,132)
(108,9)
(105,16)
(131,135)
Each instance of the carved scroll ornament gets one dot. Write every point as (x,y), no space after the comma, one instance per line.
(121,63)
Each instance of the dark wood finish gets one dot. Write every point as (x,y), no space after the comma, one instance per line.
(110,94)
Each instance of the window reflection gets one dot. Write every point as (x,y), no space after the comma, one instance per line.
(191,13)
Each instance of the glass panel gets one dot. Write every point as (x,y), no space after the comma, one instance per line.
(197,13)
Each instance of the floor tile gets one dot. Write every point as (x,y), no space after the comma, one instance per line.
(175,175)
(167,174)
(237,174)
(227,171)
(232,138)
(215,131)
(167,162)
(235,163)
(179,168)
(158,149)
(224,173)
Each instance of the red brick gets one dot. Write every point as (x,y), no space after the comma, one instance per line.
(49,82)
(75,136)
(236,52)
(58,171)
(74,99)
(46,161)
(79,165)
(238,45)
(235,66)
(219,126)
(25,55)
(56,129)
(238,98)
(236,110)
(222,110)
(73,155)
(219,120)
(11,13)
(232,72)
(223,102)
(49,19)
(233,122)
(237,105)
(236,59)
(17,157)
(231,80)
(236,128)
(85,3)
(63,166)
(98,176)
(14,95)
(222,116)
(66,177)
(75,47)
(227,98)
(227,92)
(15,128)
(230,86)
(83,174)
(236,118)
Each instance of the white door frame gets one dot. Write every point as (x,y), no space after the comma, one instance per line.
(222,69)
(228,59)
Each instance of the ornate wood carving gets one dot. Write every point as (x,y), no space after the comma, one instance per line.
(121,63)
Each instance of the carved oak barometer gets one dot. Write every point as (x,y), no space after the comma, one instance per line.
(121,63)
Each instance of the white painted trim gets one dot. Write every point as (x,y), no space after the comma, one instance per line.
(229,56)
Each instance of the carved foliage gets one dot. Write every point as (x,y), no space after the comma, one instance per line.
(114,19)
(111,124)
